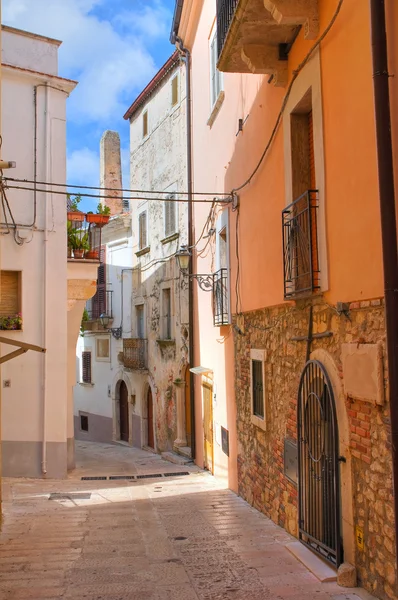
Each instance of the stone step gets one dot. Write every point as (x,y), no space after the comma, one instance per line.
(175,458)
(318,567)
(183,450)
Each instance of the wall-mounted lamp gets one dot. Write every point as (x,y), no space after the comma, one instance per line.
(183,256)
(115,331)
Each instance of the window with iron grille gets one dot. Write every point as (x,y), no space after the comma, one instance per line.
(83,423)
(86,366)
(174,91)
(257,373)
(216,83)
(142,230)
(170,216)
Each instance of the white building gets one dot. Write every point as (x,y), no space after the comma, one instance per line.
(155,356)
(37,280)
(99,350)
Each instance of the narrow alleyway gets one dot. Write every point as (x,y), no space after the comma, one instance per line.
(169,537)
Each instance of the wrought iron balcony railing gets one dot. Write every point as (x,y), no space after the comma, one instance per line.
(300,246)
(100,303)
(84,237)
(135,353)
(225,12)
(221,298)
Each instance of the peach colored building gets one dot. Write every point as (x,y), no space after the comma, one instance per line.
(292,400)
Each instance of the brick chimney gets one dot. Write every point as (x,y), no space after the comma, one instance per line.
(111,170)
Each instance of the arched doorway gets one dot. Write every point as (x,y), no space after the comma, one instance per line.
(318,464)
(124,412)
(151,443)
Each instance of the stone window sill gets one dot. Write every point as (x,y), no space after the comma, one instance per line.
(166,342)
(258,422)
(216,108)
(82,383)
(143,251)
(170,238)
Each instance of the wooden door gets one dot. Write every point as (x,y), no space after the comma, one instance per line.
(208,427)
(150,419)
(124,412)
(188,406)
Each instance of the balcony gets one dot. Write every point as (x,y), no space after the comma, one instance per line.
(84,237)
(255,36)
(135,353)
(300,246)
(220,298)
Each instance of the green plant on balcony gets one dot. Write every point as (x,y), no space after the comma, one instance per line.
(85,318)
(101,217)
(81,244)
(74,214)
(11,322)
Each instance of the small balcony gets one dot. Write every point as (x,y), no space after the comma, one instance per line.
(255,36)
(300,246)
(220,298)
(84,237)
(135,353)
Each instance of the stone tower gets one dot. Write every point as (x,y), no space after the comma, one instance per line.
(111,171)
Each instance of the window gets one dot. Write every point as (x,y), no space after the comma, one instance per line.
(98,301)
(86,366)
(257,371)
(174,91)
(170,216)
(145,124)
(166,313)
(139,312)
(216,82)
(103,348)
(142,230)
(10,293)
(83,423)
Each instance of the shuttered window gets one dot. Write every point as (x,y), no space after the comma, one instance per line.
(10,301)
(86,367)
(258,388)
(215,75)
(142,227)
(145,124)
(174,91)
(170,217)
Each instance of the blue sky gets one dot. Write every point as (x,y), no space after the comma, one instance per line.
(113,48)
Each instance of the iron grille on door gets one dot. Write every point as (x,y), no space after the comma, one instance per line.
(220,298)
(318,466)
(300,245)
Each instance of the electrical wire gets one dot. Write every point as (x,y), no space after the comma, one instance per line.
(85,195)
(92,187)
(296,73)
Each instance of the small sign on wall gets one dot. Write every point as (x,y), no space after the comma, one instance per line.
(290,461)
(359,538)
(225,440)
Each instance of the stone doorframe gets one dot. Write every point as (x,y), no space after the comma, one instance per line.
(346,496)
(121,376)
(181,439)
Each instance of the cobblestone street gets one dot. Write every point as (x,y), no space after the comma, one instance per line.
(170,537)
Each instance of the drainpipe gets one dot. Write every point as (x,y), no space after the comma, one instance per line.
(388,221)
(186,55)
(45,270)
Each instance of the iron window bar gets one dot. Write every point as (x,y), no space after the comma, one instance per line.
(135,353)
(220,298)
(300,246)
(225,12)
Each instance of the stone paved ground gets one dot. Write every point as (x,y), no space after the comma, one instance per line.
(167,538)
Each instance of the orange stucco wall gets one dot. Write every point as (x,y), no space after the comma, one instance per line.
(223,160)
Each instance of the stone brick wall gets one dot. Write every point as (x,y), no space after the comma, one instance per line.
(261,453)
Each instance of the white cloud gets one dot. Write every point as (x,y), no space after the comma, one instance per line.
(109,60)
(83,167)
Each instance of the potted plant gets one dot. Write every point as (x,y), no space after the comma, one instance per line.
(11,322)
(74,214)
(71,238)
(101,217)
(81,245)
(92,255)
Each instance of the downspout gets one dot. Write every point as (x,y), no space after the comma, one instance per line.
(45,256)
(388,221)
(187,58)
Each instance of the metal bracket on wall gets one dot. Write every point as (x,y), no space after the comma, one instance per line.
(22,348)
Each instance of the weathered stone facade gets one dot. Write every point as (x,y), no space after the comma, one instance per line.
(262,481)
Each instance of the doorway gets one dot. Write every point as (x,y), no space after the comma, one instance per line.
(124,412)
(318,465)
(151,443)
(208,427)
